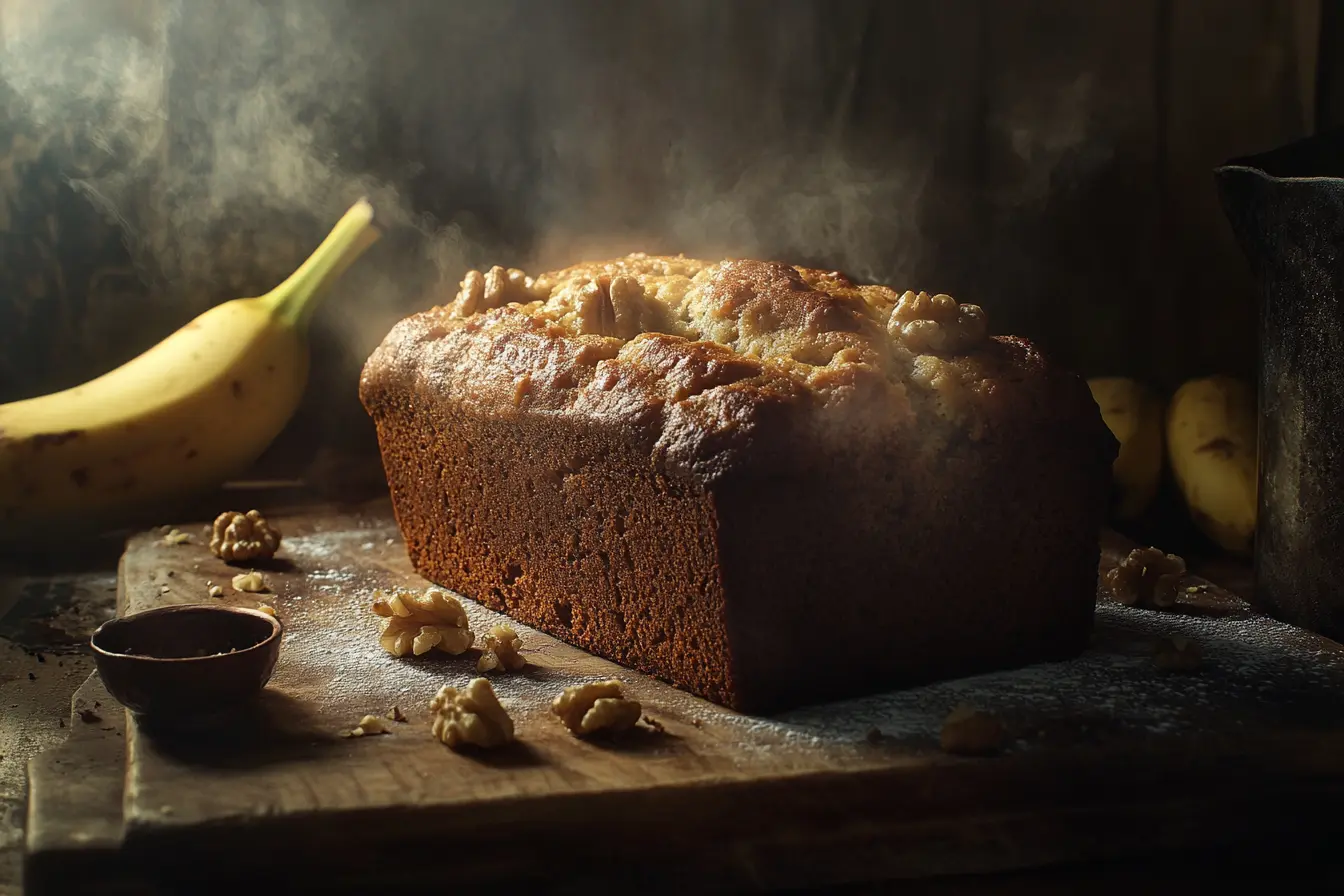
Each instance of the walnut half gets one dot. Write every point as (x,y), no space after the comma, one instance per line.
(238,537)
(493,289)
(470,715)
(419,623)
(597,706)
(1146,577)
(937,323)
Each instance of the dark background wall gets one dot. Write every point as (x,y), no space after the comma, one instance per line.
(1048,159)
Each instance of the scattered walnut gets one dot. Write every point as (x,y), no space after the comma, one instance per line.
(89,716)
(419,623)
(937,323)
(1146,578)
(396,715)
(469,295)
(501,651)
(969,732)
(267,609)
(1177,654)
(238,537)
(369,725)
(471,715)
(175,537)
(251,582)
(597,706)
(215,591)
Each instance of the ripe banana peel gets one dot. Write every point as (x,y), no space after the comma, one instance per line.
(1134,416)
(1211,437)
(178,419)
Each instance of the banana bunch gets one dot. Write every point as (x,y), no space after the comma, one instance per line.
(1209,427)
(1134,416)
(180,418)
(1211,435)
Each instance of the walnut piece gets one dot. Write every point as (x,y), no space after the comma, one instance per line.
(969,732)
(470,715)
(597,706)
(251,582)
(937,323)
(494,289)
(1146,577)
(239,537)
(214,590)
(501,651)
(267,609)
(174,537)
(396,715)
(369,725)
(1177,654)
(419,623)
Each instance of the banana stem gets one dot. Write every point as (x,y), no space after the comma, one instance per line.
(295,300)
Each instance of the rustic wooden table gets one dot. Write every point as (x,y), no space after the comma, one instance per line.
(83,803)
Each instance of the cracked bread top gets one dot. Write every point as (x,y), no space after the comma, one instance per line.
(698,354)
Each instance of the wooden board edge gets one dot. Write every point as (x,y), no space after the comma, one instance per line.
(609,838)
(74,827)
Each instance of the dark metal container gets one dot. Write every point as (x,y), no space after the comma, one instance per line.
(1287,210)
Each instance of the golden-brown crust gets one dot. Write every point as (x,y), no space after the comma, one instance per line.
(805,342)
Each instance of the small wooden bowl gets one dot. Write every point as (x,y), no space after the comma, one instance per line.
(189,660)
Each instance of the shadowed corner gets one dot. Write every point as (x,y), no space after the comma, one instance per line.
(514,754)
(272,729)
(272,564)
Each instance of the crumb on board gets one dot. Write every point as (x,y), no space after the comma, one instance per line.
(214,590)
(250,582)
(267,609)
(396,715)
(654,725)
(369,725)
(176,537)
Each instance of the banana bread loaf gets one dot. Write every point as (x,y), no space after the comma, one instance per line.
(766,485)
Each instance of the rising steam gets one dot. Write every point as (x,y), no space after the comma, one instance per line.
(224,138)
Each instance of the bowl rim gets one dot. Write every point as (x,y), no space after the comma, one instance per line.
(276,630)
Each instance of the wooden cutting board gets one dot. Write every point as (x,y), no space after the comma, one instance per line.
(1108,756)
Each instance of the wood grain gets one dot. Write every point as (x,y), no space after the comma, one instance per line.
(718,801)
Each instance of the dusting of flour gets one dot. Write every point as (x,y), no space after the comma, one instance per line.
(1255,671)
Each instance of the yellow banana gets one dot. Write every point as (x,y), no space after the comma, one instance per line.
(180,418)
(1134,416)
(1211,436)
